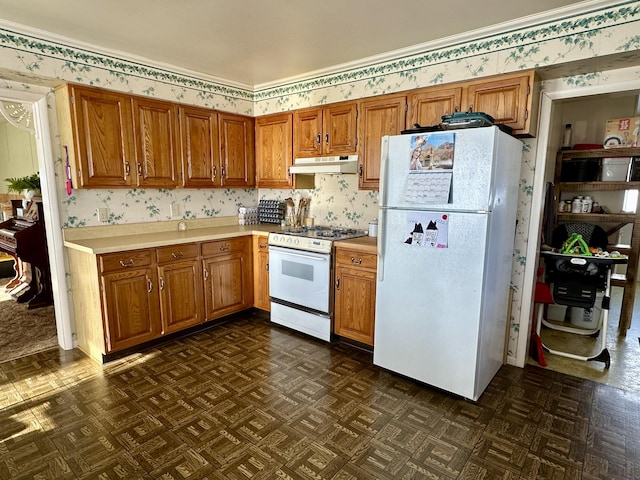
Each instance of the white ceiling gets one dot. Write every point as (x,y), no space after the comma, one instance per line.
(262,42)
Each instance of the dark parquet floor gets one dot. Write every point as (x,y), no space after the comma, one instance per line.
(247,400)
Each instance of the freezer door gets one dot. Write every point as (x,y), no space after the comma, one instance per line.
(429,303)
(479,158)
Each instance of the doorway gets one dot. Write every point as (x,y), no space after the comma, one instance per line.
(552,120)
(36,98)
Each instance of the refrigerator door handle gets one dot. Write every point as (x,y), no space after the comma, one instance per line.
(384,158)
(382,238)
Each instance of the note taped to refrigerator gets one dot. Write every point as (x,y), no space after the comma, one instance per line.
(430,168)
(427,229)
(428,187)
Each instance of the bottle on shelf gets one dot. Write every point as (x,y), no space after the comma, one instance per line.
(587,203)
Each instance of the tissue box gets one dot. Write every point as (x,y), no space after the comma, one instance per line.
(622,132)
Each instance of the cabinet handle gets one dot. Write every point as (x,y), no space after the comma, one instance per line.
(127,169)
(361,171)
(206,274)
(224,248)
(326,138)
(139,169)
(262,245)
(267,267)
(215,172)
(123,264)
(288,171)
(221,172)
(161,283)
(149,285)
(356,262)
(338,283)
(318,139)
(177,255)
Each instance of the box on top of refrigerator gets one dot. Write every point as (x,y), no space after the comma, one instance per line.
(622,132)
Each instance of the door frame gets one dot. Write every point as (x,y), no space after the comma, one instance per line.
(549,131)
(36,97)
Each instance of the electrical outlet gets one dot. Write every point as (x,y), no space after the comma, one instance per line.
(175,209)
(103,214)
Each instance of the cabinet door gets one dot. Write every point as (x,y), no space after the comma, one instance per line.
(199,147)
(261,273)
(237,159)
(130,308)
(355,303)
(427,106)
(224,285)
(103,132)
(180,295)
(307,132)
(506,99)
(155,124)
(378,118)
(274,151)
(340,129)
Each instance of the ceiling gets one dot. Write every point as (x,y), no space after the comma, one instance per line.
(264,42)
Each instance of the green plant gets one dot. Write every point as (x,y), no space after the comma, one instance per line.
(18,184)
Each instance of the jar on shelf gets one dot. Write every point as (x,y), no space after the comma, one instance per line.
(576,205)
(567,206)
(587,203)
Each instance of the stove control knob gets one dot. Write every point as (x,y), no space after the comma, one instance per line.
(282,238)
(289,240)
(296,241)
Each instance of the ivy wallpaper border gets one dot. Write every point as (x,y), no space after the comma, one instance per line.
(567,26)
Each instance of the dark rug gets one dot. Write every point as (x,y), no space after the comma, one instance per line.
(23,331)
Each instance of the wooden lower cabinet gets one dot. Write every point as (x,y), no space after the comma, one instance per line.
(261,298)
(228,277)
(129,298)
(124,299)
(180,287)
(130,301)
(355,295)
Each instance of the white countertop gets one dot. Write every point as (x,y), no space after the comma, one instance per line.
(116,238)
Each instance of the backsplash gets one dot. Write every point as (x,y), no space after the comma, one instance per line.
(335,200)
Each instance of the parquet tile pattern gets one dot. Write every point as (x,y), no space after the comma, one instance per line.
(249,400)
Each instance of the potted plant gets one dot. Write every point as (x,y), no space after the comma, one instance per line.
(29,186)
(19,184)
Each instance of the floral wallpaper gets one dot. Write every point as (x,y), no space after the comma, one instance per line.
(584,49)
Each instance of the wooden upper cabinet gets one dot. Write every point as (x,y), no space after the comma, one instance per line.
(427,106)
(331,130)
(378,117)
(237,158)
(340,129)
(307,132)
(96,127)
(199,146)
(156,126)
(510,99)
(274,151)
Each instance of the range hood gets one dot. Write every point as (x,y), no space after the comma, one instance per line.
(326,165)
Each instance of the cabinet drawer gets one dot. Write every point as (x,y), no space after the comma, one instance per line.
(187,251)
(355,257)
(113,262)
(220,247)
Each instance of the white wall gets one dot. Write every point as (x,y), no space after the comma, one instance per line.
(18,157)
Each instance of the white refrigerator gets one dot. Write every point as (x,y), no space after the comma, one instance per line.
(446,230)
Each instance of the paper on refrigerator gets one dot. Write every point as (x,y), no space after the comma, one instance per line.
(430,165)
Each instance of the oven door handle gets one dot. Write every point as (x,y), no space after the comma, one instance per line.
(309,257)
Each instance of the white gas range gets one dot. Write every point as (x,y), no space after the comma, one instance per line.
(300,286)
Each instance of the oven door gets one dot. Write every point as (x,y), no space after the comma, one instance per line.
(300,278)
